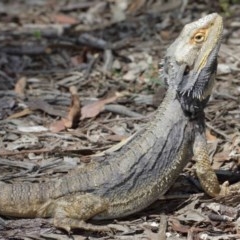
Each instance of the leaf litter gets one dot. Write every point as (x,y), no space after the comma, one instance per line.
(77,77)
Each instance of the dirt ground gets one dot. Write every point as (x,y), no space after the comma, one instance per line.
(77,77)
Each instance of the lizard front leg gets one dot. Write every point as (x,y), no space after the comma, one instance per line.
(71,211)
(204,171)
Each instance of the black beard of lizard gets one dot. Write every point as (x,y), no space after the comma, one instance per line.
(194,97)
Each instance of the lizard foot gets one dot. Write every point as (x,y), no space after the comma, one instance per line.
(227,189)
(69,224)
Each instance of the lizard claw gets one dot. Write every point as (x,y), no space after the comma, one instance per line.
(227,189)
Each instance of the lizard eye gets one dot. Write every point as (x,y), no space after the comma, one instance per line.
(199,37)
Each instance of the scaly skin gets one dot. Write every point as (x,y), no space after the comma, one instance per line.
(144,169)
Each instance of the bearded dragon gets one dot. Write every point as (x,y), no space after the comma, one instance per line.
(135,176)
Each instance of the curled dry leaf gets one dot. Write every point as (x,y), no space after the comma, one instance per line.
(73,116)
(74,112)
(93,109)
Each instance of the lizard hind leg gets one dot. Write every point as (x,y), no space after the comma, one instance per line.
(71,211)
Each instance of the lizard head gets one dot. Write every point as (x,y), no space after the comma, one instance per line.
(191,61)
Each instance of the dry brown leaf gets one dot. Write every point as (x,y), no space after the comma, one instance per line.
(178,227)
(23,113)
(64,19)
(219,159)
(210,137)
(221,156)
(76,60)
(21,86)
(57,126)
(74,112)
(216,165)
(93,109)
(73,116)
(136,5)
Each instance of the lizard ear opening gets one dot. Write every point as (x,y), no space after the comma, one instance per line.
(186,71)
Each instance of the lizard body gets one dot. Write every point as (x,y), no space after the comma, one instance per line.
(115,180)
(145,168)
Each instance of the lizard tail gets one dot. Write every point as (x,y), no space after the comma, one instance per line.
(23,199)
